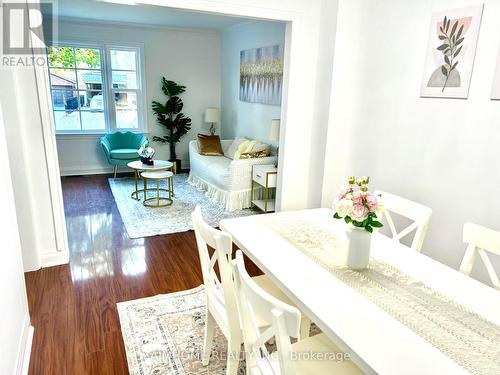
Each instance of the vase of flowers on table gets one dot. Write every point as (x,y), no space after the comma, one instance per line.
(146,153)
(360,209)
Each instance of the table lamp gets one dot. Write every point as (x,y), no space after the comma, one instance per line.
(212,116)
(274,133)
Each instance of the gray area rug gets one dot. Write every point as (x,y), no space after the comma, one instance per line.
(143,221)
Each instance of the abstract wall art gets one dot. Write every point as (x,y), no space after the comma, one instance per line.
(450,52)
(261,75)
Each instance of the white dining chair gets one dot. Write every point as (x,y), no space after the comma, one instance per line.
(418,213)
(480,240)
(283,323)
(221,304)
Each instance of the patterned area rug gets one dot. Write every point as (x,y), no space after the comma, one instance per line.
(164,335)
(143,221)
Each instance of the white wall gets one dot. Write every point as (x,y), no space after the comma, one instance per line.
(443,153)
(318,146)
(15,337)
(238,118)
(189,57)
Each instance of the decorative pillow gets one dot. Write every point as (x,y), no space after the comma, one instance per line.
(253,155)
(242,148)
(261,146)
(234,147)
(209,145)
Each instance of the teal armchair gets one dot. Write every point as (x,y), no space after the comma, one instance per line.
(121,148)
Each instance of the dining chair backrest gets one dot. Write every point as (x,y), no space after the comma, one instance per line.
(480,240)
(418,213)
(282,319)
(221,298)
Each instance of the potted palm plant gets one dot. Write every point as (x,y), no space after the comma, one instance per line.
(170,116)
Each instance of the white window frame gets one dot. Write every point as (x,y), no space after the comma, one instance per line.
(107,86)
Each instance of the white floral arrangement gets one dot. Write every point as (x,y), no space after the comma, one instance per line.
(146,151)
(356,205)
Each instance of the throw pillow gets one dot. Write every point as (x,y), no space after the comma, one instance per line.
(253,155)
(242,148)
(261,146)
(209,145)
(245,148)
(229,153)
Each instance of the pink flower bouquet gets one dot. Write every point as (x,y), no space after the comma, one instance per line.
(357,205)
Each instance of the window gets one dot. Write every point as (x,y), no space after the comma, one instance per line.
(95,89)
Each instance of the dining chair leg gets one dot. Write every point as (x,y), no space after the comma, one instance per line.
(305,328)
(114,171)
(208,337)
(233,356)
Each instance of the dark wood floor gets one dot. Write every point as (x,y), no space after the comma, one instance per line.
(73,307)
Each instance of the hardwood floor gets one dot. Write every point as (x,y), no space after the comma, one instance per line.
(73,307)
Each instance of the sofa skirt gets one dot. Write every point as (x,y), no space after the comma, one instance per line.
(229,200)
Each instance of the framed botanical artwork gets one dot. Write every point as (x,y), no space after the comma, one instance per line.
(450,52)
(495,89)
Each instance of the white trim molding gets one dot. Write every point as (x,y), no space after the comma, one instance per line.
(51,158)
(55,258)
(88,170)
(24,350)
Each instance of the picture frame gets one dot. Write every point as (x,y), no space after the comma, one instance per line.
(451,50)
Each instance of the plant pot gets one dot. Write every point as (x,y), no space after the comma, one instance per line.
(358,248)
(177,166)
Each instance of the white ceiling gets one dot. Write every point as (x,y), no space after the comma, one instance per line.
(141,14)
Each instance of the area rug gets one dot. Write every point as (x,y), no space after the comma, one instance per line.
(143,221)
(164,335)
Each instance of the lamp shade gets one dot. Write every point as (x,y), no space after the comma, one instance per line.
(274,133)
(212,115)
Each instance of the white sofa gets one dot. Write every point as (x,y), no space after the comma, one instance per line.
(224,180)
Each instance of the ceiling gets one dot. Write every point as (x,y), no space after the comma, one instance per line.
(142,14)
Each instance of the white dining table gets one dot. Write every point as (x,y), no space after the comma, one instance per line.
(376,341)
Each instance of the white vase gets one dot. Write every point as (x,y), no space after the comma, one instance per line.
(358,247)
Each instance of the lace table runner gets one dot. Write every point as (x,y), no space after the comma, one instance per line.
(468,339)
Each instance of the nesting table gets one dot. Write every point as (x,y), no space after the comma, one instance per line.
(157,176)
(158,166)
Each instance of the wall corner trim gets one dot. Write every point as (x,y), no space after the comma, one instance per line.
(55,258)
(24,351)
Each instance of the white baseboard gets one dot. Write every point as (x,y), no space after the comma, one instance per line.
(27,351)
(54,259)
(77,171)
(24,350)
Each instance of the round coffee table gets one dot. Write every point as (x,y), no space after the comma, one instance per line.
(138,167)
(157,176)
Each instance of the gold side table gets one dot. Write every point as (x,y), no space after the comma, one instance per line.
(158,176)
(265,176)
(138,167)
